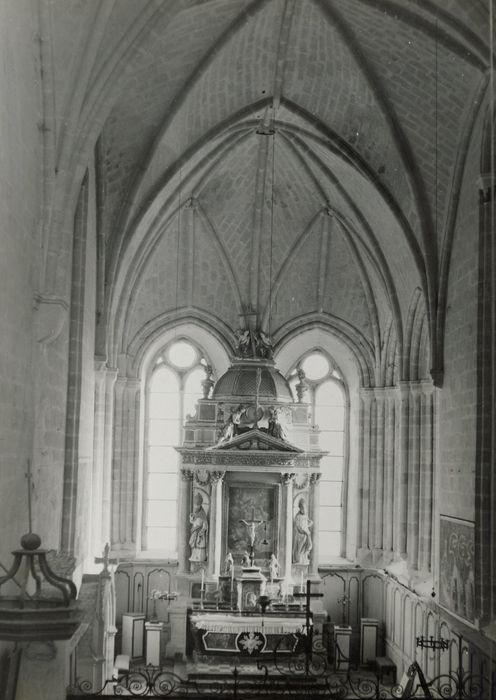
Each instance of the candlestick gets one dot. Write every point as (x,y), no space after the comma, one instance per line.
(301,583)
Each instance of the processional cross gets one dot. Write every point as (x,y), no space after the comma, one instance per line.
(308,621)
(106,560)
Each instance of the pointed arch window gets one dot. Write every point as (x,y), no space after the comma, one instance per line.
(173,387)
(328,398)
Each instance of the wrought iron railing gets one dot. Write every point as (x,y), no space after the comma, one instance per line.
(306,674)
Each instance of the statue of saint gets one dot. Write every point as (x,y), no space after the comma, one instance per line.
(228,564)
(302,537)
(273,567)
(198,539)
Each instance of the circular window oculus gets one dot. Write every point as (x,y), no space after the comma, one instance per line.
(315,366)
(182,354)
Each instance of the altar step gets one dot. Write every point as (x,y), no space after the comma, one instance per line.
(249,685)
(244,679)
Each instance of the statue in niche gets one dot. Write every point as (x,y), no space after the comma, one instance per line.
(198,539)
(302,537)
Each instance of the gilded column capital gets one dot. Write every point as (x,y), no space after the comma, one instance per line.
(217,476)
(186,475)
(287,478)
(315,477)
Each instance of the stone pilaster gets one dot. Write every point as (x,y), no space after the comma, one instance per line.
(184,509)
(287,525)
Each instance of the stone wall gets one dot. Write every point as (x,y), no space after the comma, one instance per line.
(19,213)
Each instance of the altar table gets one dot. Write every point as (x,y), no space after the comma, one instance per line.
(227,633)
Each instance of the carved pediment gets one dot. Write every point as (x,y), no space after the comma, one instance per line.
(257,440)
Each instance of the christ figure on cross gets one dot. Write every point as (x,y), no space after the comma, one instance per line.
(251,526)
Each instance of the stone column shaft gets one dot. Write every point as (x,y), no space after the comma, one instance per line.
(364,476)
(389,440)
(379,482)
(315,515)
(414,476)
(401,473)
(485,474)
(102,456)
(287,525)
(372,471)
(426,479)
(215,523)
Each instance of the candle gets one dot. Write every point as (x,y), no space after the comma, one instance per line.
(301,582)
(203,579)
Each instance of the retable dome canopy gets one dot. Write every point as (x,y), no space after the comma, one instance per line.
(239,383)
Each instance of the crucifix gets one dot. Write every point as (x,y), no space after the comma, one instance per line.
(106,560)
(308,621)
(251,526)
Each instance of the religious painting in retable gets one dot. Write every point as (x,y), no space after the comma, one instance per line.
(251,504)
(456,567)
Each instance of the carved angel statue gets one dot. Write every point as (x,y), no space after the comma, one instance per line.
(275,426)
(230,429)
(243,342)
(263,345)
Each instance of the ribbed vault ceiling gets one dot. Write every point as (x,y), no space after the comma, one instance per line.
(340,215)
